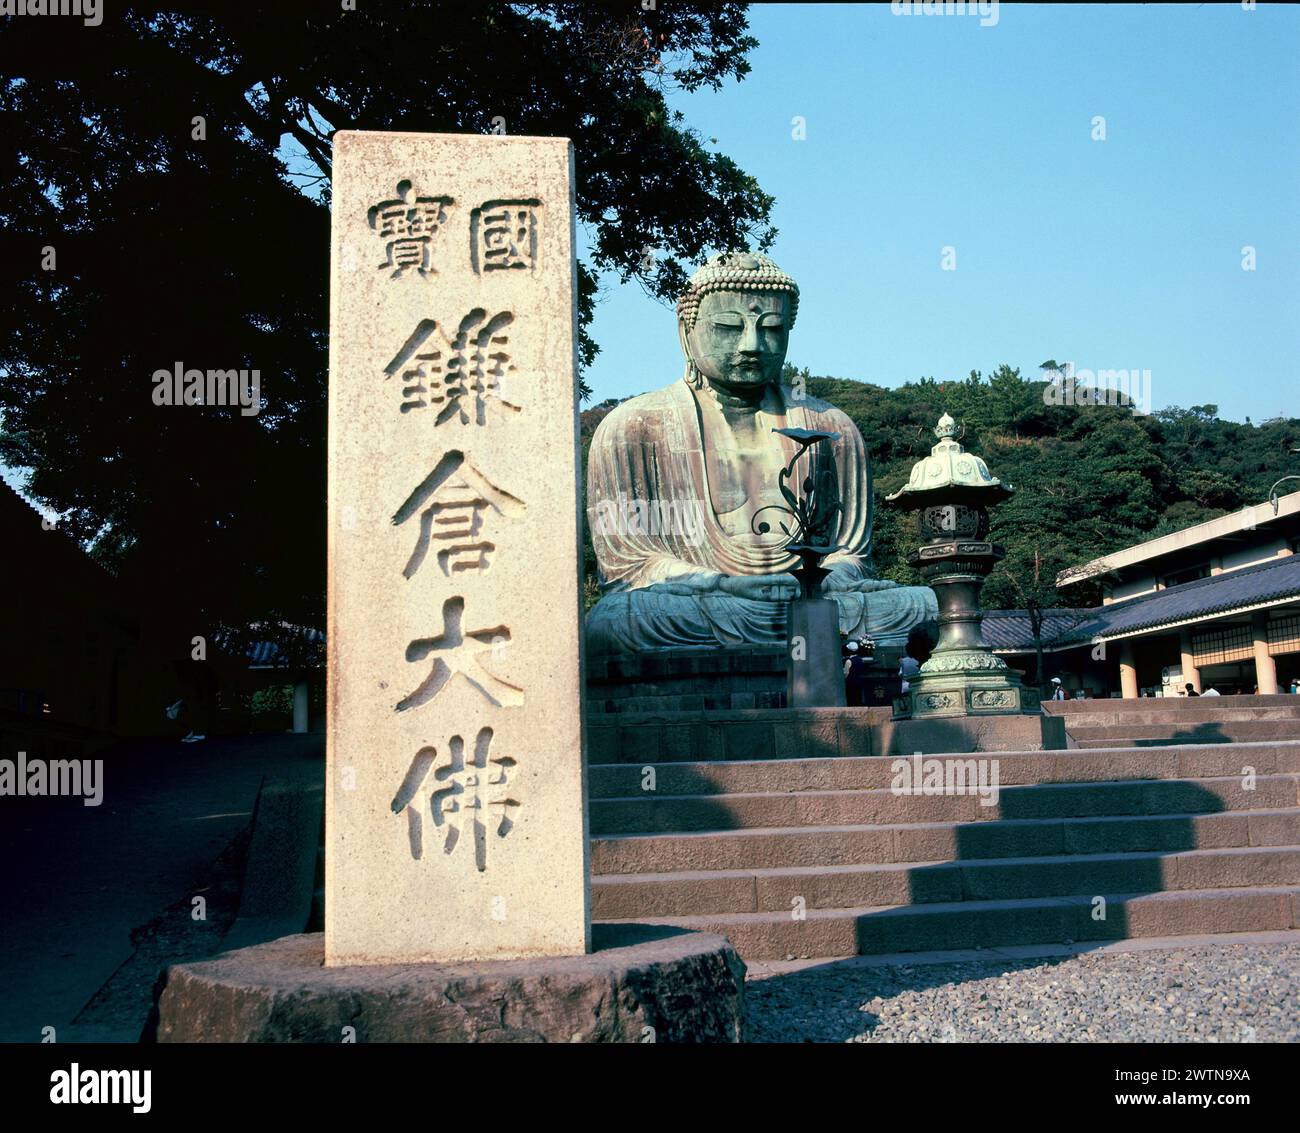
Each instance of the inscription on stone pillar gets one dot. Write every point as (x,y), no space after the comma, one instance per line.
(456,811)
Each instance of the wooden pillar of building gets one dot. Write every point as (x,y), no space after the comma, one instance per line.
(1128,677)
(301,701)
(1265,666)
(1191,674)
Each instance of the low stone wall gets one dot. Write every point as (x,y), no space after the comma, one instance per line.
(805,733)
(687,681)
(746,734)
(698,680)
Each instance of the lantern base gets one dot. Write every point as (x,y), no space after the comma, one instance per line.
(991,690)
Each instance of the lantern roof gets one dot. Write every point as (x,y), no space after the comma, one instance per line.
(950,474)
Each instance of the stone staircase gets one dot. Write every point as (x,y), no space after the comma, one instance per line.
(818,857)
(1177,720)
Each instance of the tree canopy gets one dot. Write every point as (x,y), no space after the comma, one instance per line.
(1089,479)
(154,214)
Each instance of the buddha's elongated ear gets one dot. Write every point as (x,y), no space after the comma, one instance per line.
(692,376)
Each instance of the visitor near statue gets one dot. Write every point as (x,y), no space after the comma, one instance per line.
(855,674)
(704,452)
(909,666)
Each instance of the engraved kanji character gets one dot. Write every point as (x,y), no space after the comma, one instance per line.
(461,658)
(504,235)
(467,787)
(452,502)
(476,361)
(407,225)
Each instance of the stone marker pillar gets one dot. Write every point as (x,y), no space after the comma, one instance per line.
(456,809)
(816,673)
(456,900)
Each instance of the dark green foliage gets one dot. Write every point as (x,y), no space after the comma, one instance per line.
(213,253)
(1089,479)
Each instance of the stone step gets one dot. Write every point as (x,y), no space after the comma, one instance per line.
(1157,737)
(1169,703)
(875,844)
(1180,717)
(1230,731)
(1145,704)
(706,892)
(719,777)
(1155,742)
(991,924)
(1230,739)
(649,814)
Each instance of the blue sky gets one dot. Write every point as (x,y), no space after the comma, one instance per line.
(926,132)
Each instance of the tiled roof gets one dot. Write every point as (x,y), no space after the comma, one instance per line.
(1010,630)
(269,652)
(52,558)
(1272,581)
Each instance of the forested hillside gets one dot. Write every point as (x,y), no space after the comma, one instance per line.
(1089,479)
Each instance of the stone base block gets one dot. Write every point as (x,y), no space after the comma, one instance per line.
(641,983)
(971,733)
(816,670)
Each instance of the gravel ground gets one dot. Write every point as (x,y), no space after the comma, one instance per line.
(1237,993)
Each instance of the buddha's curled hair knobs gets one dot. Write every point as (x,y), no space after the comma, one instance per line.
(735,271)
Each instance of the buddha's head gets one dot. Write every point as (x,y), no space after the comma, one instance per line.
(734,321)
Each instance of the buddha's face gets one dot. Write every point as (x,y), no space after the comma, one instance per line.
(740,338)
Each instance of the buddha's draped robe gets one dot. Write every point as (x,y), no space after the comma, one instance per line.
(663,541)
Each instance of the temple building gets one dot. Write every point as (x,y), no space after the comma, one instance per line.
(1216,605)
(81,666)
(65,645)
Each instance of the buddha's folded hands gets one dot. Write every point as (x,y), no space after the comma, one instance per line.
(764,587)
(858,585)
(769,587)
(688,582)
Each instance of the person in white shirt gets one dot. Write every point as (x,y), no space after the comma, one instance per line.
(908,667)
(1211,691)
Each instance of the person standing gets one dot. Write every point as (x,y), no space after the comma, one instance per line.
(1058,693)
(855,675)
(909,666)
